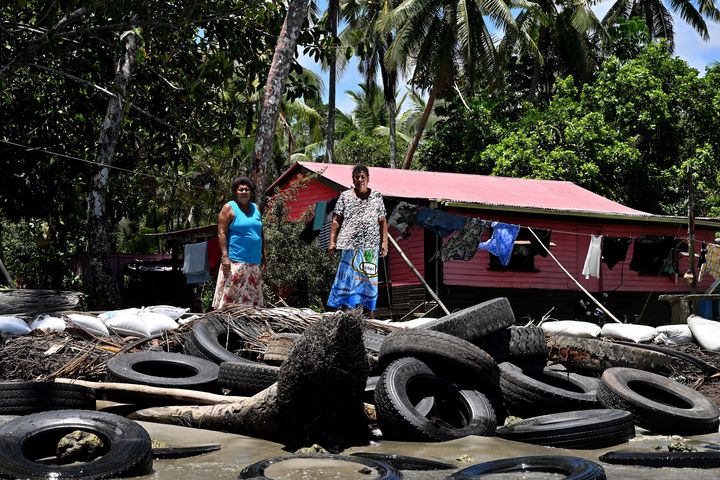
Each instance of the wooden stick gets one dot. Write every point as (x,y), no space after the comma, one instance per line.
(7,275)
(602,307)
(131,393)
(417,274)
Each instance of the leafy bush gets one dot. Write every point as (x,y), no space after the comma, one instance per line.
(297,271)
(35,258)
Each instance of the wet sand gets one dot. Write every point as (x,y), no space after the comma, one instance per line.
(239,451)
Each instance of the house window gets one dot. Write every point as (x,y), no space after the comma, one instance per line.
(522,258)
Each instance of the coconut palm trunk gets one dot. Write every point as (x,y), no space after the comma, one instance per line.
(422,123)
(279,69)
(332,81)
(102,281)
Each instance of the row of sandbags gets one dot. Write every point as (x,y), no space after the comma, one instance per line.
(703,331)
(136,322)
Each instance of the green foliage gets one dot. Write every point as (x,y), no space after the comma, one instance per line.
(35,258)
(458,138)
(625,135)
(296,271)
(357,147)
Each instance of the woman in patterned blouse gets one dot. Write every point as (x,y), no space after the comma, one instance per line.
(359,229)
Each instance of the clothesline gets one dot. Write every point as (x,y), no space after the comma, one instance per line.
(652,253)
(565,232)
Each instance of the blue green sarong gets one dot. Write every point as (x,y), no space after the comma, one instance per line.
(356,281)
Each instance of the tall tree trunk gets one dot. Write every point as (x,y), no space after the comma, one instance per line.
(332,81)
(421,125)
(389,79)
(279,70)
(105,289)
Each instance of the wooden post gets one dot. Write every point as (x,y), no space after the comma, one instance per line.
(417,274)
(691,237)
(6,275)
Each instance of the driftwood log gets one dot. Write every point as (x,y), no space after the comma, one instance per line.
(143,394)
(32,302)
(318,397)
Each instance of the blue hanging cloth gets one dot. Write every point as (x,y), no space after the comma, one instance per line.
(502,241)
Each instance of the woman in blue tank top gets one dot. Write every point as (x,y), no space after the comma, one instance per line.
(240,235)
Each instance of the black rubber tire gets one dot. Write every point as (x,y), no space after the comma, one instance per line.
(477,321)
(403,462)
(424,406)
(658,403)
(163,369)
(22,398)
(256,471)
(586,429)
(278,348)
(595,355)
(184,452)
(574,468)
(460,361)
(373,340)
(525,347)
(455,412)
(33,437)
(531,394)
(247,378)
(664,459)
(204,341)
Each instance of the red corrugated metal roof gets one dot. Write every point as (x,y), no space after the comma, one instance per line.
(476,189)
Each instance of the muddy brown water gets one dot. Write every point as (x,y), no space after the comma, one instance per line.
(239,451)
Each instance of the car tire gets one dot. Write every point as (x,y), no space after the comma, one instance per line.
(163,369)
(22,398)
(574,468)
(27,439)
(658,403)
(454,413)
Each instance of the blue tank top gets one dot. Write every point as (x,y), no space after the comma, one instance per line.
(245,235)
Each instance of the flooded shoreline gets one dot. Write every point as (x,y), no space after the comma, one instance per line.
(239,451)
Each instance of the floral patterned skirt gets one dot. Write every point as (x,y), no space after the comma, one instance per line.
(242,284)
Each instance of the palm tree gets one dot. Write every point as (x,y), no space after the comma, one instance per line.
(332,21)
(659,19)
(279,69)
(555,39)
(443,40)
(371,45)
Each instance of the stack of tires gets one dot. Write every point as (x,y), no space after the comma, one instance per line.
(436,382)
(466,372)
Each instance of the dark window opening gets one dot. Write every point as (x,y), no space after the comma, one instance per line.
(522,258)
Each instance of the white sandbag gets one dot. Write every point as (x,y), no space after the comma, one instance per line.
(571,328)
(128,324)
(105,316)
(88,323)
(48,324)
(705,332)
(673,334)
(629,332)
(14,326)
(157,322)
(173,312)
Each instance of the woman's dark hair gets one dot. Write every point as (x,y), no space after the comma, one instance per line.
(360,169)
(242,180)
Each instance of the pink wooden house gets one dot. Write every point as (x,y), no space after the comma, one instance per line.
(570,212)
